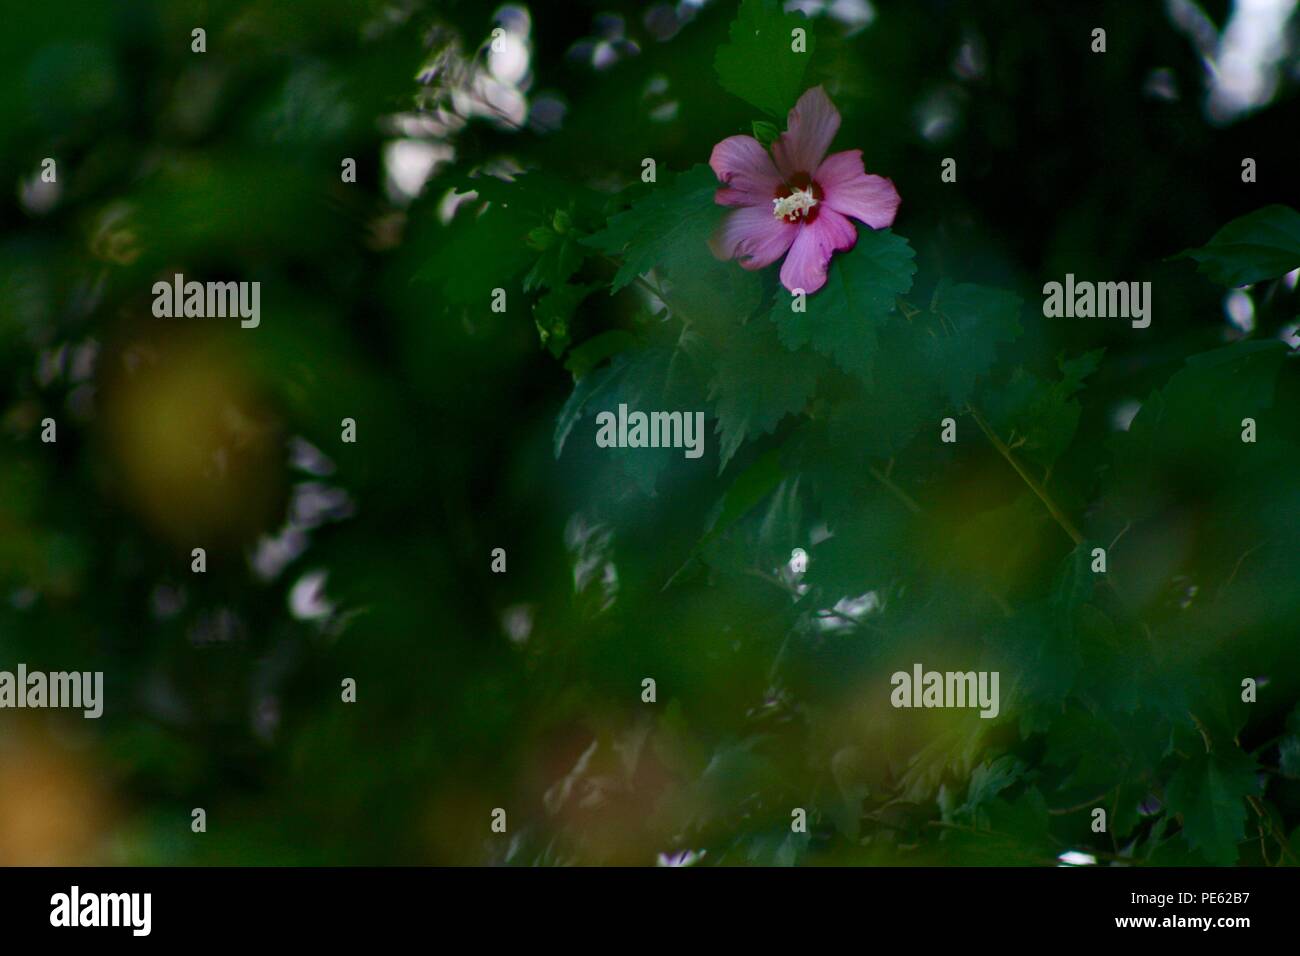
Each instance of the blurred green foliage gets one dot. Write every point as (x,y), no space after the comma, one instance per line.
(474,430)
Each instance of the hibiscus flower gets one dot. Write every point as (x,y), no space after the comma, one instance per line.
(797,200)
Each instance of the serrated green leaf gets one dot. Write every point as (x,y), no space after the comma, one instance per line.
(745,493)
(750,487)
(1010,832)
(1186,425)
(486,248)
(843,319)
(541,238)
(759,64)
(1261,245)
(583,358)
(648,384)
(553,314)
(1210,791)
(1039,418)
(1041,665)
(974,320)
(668,229)
(877,421)
(640,379)
(1127,805)
(650,233)
(1074,584)
(757,383)
(988,780)
(555,266)
(591,387)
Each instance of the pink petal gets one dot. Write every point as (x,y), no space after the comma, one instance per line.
(805,266)
(743,165)
(811,126)
(848,189)
(754,236)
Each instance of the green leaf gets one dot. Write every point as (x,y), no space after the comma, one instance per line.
(746,492)
(1184,427)
(986,782)
(1210,791)
(766,133)
(553,312)
(878,421)
(583,358)
(541,238)
(1009,833)
(1289,747)
(1073,587)
(1127,804)
(669,229)
(1173,852)
(555,266)
(759,65)
(660,376)
(750,487)
(844,317)
(1073,584)
(1039,418)
(478,254)
(776,848)
(486,248)
(1261,245)
(973,321)
(735,771)
(594,385)
(1098,760)
(1039,663)
(651,232)
(1025,822)
(1289,757)
(757,383)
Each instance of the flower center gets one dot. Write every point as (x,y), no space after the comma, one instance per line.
(797,200)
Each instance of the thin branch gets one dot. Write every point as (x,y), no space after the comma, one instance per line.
(1237,567)
(1038,489)
(1081,806)
(1264,817)
(657,293)
(1115,540)
(898,492)
(1205,734)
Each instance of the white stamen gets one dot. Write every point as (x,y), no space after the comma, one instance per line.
(795,204)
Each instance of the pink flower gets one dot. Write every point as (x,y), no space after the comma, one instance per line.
(800,203)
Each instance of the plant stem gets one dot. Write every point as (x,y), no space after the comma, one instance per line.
(1029,479)
(1080,806)
(1264,818)
(898,492)
(656,292)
